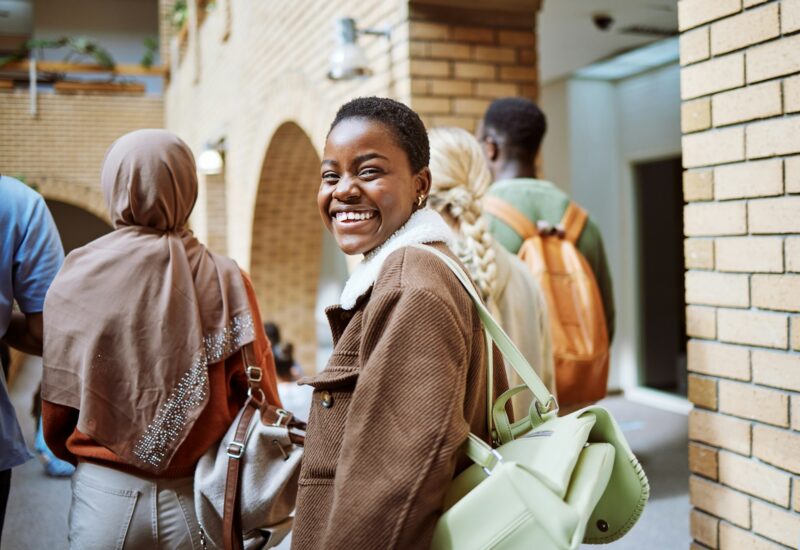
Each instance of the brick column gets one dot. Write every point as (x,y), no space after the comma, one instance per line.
(165,29)
(209,218)
(458,67)
(216,212)
(740,84)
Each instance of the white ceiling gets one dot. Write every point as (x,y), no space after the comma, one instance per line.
(568,40)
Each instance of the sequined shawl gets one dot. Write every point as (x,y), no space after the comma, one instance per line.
(135,318)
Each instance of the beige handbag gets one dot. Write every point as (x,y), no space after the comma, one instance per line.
(245,488)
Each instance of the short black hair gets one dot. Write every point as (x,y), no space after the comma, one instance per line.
(273,333)
(519,121)
(402,121)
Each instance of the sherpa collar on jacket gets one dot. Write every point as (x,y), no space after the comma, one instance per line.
(424,226)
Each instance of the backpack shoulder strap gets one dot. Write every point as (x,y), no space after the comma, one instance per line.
(573,222)
(509,215)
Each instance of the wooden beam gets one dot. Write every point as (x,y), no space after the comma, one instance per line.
(510,14)
(61,67)
(66,86)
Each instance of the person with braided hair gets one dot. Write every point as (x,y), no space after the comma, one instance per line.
(460,179)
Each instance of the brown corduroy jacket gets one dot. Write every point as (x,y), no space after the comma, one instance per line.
(405,385)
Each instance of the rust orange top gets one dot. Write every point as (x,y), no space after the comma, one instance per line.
(227,393)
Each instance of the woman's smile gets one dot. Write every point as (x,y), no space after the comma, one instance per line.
(355,223)
(351,217)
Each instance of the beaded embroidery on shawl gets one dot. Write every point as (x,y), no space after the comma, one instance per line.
(191,391)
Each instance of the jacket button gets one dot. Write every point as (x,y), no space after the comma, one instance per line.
(326,399)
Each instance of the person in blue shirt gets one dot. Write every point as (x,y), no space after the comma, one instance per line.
(30,256)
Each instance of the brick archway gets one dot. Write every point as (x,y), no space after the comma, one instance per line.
(76,225)
(86,197)
(287,239)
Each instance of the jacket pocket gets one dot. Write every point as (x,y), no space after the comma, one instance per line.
(333,393)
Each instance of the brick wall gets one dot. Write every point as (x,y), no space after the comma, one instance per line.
(166,30)
(457,69)
(255,74)
(209,218)
(64,144)
(740,85)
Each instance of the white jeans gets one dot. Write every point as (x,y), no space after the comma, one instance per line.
(112,509)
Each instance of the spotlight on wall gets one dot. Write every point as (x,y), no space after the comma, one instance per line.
(348,60)
(211,161)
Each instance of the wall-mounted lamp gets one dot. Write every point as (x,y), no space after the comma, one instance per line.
(348,60)
(211,161)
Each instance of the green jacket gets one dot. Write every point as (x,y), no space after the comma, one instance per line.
(541,200)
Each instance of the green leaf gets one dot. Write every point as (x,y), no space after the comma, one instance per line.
(89,48)
(180,12)
(35,44)
(150,47)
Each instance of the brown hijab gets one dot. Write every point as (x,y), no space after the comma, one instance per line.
(134,319)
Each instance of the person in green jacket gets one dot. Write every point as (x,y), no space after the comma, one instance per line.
(511,132)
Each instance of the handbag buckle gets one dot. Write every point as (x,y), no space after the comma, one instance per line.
(498,460)
(235,449)
(253,374)
(550,406)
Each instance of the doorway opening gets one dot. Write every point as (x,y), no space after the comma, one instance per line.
(76,226)
(659,211)
(287,240)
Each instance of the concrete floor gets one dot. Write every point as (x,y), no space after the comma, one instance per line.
(38,505)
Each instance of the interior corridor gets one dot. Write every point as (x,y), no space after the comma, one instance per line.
(38,505)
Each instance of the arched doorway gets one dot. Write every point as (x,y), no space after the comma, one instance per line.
(286,251)
(76,226)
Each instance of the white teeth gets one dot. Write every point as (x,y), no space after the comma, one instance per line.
(354,216)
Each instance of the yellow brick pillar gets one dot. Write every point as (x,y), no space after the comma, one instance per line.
(463,59)
(209,219)
(740,85)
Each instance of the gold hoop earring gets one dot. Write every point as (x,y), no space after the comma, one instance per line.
(420,201)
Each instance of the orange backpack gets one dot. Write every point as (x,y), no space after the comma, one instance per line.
(577,319)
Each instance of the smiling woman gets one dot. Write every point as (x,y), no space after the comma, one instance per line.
(407,379)
(370,184)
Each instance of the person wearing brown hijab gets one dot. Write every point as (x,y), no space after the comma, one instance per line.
(143,361)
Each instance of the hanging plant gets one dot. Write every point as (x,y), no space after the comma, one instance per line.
(78,49)
(180,13)
(150,49)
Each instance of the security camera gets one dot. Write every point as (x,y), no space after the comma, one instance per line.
(602,21)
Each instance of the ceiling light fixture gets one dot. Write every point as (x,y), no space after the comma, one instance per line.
(348,60)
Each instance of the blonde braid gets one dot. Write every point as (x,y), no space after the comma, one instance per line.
(460,180)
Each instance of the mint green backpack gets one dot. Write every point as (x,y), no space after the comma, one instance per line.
(550,482)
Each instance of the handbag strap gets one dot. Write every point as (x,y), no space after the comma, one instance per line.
(510,352)
(231,514)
